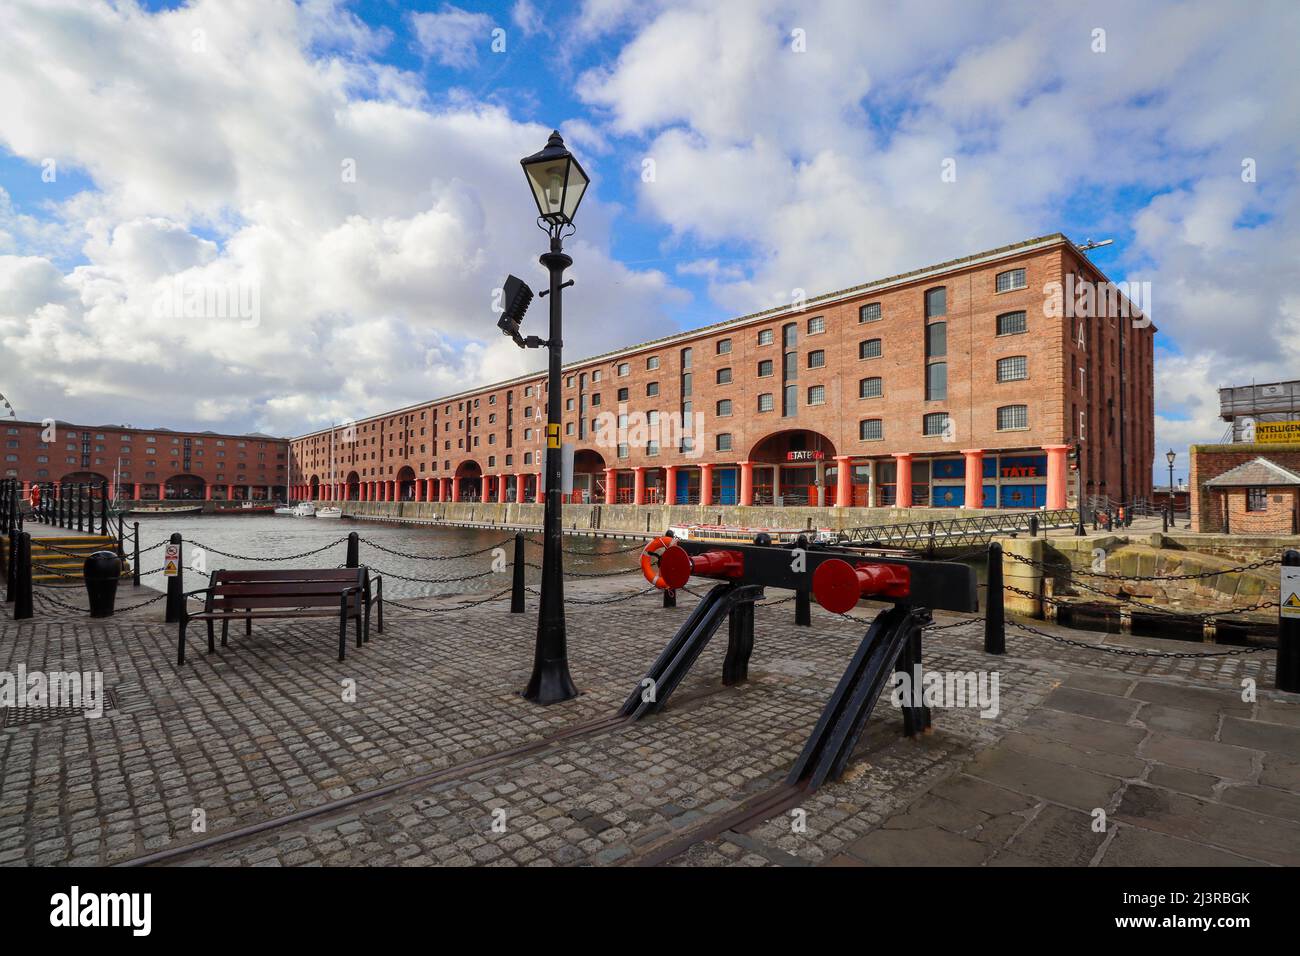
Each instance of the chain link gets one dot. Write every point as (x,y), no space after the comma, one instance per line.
(252,557)
(1042,566)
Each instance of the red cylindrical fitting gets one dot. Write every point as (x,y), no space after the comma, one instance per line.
(676,566)
(838,585)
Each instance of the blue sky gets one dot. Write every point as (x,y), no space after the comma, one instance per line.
(201,142)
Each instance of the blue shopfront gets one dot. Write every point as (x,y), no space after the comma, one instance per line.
(1008,481)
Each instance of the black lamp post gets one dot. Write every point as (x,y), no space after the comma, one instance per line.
(558,183)
(1170,457)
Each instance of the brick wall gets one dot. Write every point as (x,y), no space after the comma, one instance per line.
(1225,509)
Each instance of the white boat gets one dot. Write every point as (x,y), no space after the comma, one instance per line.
(285,510)
(304,509)
(329,513)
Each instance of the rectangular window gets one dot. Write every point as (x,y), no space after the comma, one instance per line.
(817,359)
(935,423)
(1010,280)
(936,340)
(724,442)
(652,389)
(1012,323)
(766,402)
(789,335)
(724,346)
(1013,368)
(765,368)
(686,358)
(724,407)
(1011,417)
(871,388)
(766,337)
(871,429)
(817,395)
(936,303)
(624,369)
(869,312)
(623,394)
(817,325)
(869,349)
(789,401)
(1256,499)
(724,376)
(652,363)
(936,382)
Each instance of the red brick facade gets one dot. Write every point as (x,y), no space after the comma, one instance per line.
(148,463)
(1273,510)
(861,355)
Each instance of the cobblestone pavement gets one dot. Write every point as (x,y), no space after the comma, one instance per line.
(1184,770)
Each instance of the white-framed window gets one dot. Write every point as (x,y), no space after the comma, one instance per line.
(869,312)
(765,368)
(724,408)
(869,349)
(724,346)
(871,387)
(816,394)
(724,376)
(1012,323)
(766,402)
(1012,417)
(652,363)
(766,337)
(817,358)
(624,369)
(1013,368)
(871,429)
(724,441)
(1011,280)
(817,325)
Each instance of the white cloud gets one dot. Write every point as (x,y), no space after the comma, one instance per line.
(453,36)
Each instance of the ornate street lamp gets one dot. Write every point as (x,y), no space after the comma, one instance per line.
(558,183)
(1170,457)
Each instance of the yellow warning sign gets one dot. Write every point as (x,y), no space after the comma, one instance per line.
(171,560)
(552,435)
(1290,597)
(169,569)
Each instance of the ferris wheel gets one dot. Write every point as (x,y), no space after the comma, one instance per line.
(7,410)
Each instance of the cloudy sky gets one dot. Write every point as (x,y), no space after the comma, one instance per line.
(340,181)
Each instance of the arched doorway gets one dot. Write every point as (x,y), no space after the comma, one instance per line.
(790,468)
(93,479)
(184,487)
(354,486)
(588,476)
(469,481)
(406,483)
(314,488)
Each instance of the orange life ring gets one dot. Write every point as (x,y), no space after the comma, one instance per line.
(650,567)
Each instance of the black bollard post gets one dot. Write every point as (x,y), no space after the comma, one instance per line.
(135,556)
(1164,520)
(517,584)
(802,609)
(11,577)
(1033,526)
(101,572)
(670,598)
(1288,631)
(175,583)
(354,550)
(81,506)
(23,601)
(995,627)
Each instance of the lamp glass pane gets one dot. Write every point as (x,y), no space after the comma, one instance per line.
(548,181)
(577,185)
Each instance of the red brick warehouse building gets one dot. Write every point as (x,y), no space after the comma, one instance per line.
(147,463)
(963,384)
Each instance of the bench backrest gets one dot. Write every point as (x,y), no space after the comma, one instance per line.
(284,588)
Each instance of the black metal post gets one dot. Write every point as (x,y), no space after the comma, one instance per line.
(670,598)
(23,602)
(81,507)
(135,557)
(517,584)
(354,550)
(1033,526)
(103,509)
(1164,519)
(176,583)
(995,628)
(802,608)
(11,578)
(550,682)
(1288,637)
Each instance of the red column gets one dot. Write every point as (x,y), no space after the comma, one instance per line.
(207,492)
(230,492)
(611,485)
(638,485)
(670,484)
(392,491)
(501,489)
(519,487)
(1056,472)
(446,489)
(746,483)
(137,492)
(455,489)
(843,481)
(974,477)
(420,492)
(541,490)
(706,484)
(903,490)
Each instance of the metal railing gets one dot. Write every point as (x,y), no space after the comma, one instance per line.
(959,532)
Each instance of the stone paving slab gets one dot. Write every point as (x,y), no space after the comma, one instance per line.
(1165,748)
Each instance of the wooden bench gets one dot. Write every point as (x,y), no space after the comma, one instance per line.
(317,592)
